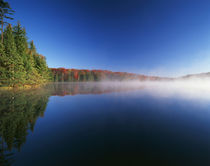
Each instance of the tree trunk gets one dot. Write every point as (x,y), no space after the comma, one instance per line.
(2,30)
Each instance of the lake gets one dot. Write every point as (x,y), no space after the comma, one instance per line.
(105,124)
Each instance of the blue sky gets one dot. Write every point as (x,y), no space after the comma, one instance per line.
(154,37)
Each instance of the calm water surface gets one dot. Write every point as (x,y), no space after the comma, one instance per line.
(76,124)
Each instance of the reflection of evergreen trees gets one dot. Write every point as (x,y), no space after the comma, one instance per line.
(18,114)
(20,110)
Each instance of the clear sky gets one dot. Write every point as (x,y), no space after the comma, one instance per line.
(155,37)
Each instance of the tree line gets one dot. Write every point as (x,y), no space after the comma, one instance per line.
(75,75)
(20,64)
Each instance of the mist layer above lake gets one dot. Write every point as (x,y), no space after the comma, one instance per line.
(106,124)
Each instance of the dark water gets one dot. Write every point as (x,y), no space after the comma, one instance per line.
(91,124)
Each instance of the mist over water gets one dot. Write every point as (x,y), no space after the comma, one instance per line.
(189,89)
(195,88)
(107,123)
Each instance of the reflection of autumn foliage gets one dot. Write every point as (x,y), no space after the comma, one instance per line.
(74,75)
(63,89)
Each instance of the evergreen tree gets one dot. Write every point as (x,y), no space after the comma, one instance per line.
(20,39)
(40,63)
(5,10)
(19,64)
(16,72)
(32,75)
(3,64)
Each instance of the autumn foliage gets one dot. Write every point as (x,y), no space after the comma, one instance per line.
(75,75)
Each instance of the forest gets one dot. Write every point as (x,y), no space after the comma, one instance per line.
(75,75)
(20,64)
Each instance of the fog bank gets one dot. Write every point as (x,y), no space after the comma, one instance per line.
(185,88)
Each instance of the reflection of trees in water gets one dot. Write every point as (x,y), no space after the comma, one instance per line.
(18,114)
(19,111)
(62,89)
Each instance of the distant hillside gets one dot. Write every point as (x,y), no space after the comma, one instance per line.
(76,75)
(199,76)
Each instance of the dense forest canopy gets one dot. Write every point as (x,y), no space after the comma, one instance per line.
(20,64)
(75,75)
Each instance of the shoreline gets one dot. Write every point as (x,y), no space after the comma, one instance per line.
(25,87)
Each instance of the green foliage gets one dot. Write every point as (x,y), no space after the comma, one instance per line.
(41,67)
(22,48)
(15,66)
(20,39)
(5,11)
(21,65)
(3,62)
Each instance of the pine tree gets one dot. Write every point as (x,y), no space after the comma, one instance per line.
(40,63)
(19,64)
(20,40)
(3,64)
(5,10)
(32,75)
(15,66)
